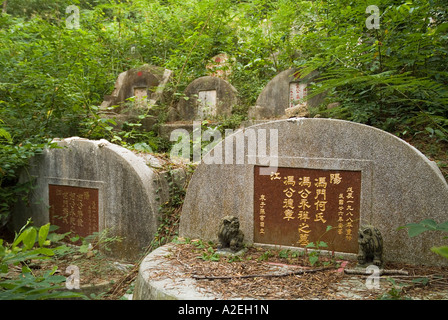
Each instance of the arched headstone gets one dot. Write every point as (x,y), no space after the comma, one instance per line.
(146,84)
(205,98)
(332,176)
(89,186)
(219,66)
(283,92)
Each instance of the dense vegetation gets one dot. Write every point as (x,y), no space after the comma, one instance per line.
(52,78)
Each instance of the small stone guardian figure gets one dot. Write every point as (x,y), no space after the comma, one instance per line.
(370,247)
(229,234)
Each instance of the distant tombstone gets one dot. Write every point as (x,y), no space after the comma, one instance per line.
(88,186)
(332,178)
(141,97)
(145,82)
(205,98)
(297,91)
(219,66)
(283,92)
(144,85)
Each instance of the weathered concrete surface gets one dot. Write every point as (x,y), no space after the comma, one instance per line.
(131,189)
(399,184)
(175,286)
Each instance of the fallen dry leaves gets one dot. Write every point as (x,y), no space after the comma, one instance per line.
(259,276)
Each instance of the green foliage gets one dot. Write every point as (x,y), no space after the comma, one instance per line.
(441,251)
(396,292)
(169,212)
(53,79)
(265,255)
(288,254)
(415,229)
(96,241)
(14,157)
(386,77)
(390,77)
(30,243)
(313,256)
(209,255)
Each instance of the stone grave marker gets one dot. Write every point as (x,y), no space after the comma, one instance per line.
(141,97)
(282,96)
(205,98)
(220,66)
(146,84)
(297,91)
(88,186)
(326,173)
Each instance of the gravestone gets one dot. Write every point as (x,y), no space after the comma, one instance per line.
(87,186)
(146,84)
(206,98)
(220,66)
(282,94)
(329,178)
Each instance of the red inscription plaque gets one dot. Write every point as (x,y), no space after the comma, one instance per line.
(74,209)
(296,206)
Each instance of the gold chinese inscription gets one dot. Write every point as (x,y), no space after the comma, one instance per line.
(74,209)
(296,206)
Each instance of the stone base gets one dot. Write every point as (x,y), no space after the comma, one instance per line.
(173,287)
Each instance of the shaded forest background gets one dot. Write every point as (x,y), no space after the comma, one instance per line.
(52,79)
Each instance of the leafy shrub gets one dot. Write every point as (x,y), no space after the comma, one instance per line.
(414,229)
(30,243)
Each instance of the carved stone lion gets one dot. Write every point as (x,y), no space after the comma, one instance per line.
(370,246)
(229,234)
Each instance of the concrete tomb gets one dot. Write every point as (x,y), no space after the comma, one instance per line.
(206,98)
(326,180)
(282,97)
(144,85)
(87,186)
(220,66)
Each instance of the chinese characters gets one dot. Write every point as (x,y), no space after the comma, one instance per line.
(74,209)
(303,203)
(297,91)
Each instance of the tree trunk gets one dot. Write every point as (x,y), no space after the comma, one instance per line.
(5,3)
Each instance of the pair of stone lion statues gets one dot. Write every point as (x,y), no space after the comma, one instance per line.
(369,239)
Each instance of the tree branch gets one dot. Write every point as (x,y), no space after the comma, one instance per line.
(269,275)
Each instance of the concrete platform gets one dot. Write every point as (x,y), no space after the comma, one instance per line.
(164,279)
(172,286)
